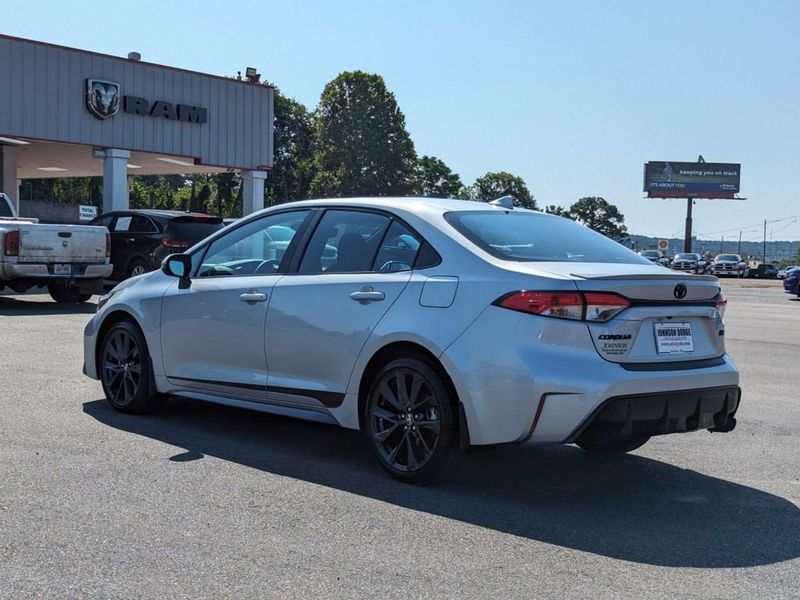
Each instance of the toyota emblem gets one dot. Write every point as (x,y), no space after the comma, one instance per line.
(680,291)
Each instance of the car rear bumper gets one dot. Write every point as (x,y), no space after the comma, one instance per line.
(45,271)
(661,413)
(524,377)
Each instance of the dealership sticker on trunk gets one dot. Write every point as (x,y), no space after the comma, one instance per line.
(674,337)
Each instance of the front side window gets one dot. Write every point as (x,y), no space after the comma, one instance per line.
(252,249)
(345,241)
(527,236)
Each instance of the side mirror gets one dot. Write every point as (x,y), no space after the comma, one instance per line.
(178,265)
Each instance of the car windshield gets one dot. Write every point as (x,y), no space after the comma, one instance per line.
(728,257)
(530,236)
(650,253)
(687,257)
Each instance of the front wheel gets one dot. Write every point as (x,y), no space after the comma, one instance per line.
(125,370)
(615,447)
(138,267)
(410,420)
(67,295)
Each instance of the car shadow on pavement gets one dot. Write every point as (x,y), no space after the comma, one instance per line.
(17,306)
(627,507)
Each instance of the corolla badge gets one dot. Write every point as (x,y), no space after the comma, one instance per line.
(680,291)
(102,98)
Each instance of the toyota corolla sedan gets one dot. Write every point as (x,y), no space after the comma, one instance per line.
(430,325)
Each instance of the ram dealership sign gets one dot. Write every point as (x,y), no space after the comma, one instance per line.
(103,101)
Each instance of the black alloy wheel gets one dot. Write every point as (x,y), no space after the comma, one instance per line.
(125,370)
(410,420)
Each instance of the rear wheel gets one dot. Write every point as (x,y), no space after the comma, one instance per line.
(138,267)
(67,295)
(409,420)
(125,370)
(615,447)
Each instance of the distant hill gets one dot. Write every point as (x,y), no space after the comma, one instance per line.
(776,250)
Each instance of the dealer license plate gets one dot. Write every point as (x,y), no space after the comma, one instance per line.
(674,337)
(62,269)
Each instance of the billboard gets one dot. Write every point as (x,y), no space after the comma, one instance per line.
(664,179)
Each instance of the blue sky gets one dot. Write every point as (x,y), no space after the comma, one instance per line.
(572,96)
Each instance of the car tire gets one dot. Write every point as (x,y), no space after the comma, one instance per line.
(138,267)
(67,295)
(126,372)
(409,420)
(615,447)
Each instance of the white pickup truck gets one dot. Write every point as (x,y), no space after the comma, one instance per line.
(70,260)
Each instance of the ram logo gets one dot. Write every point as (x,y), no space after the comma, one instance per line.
(102,98)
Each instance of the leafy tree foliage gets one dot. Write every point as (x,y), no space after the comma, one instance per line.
(293,164)
(494,185)
(362,146)
(559,211)
(600,215)
(434,179)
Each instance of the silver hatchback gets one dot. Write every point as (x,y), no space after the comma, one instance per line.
(431,325)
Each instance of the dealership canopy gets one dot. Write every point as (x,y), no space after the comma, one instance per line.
(67,113)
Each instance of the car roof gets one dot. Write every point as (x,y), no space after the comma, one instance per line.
(409,203)
(154,212)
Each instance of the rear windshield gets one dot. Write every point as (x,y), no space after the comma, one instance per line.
(5,208)
(194,229)
(727,257)
(527,236)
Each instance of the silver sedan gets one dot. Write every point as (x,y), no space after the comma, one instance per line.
(430,325)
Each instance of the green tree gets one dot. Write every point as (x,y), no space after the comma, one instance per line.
(600,215)
(293,162)
(559,211)
(434,179)
(494,185)
(362,146)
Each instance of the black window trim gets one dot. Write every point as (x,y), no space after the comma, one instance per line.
(297,258)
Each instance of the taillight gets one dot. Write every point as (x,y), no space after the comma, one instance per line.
(601,306)
(721,302)
(563,305)
(11,243)
(577,306)
(176,243)
(108,244)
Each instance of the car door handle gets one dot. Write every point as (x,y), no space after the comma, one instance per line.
(253,297)
(130,240)
(367,295)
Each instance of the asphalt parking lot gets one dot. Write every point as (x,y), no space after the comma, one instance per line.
(207,501)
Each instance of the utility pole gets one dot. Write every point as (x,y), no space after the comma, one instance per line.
(739,250)
(765,241)
(721,243)
(687,234)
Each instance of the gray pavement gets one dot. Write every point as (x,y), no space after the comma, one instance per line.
(206,501)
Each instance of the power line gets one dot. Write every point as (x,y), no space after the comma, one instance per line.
(759,224)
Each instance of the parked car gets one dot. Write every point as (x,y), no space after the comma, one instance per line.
(70,260)
(728,264)
(439,325)
(763,271)
(791,284)
(784,270)
(141,239)
(689,261)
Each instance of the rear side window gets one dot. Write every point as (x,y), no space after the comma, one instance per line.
(526,237)
(194,229)
(398,251)
(344,241)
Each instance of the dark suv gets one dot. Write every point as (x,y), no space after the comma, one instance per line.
(141,239)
